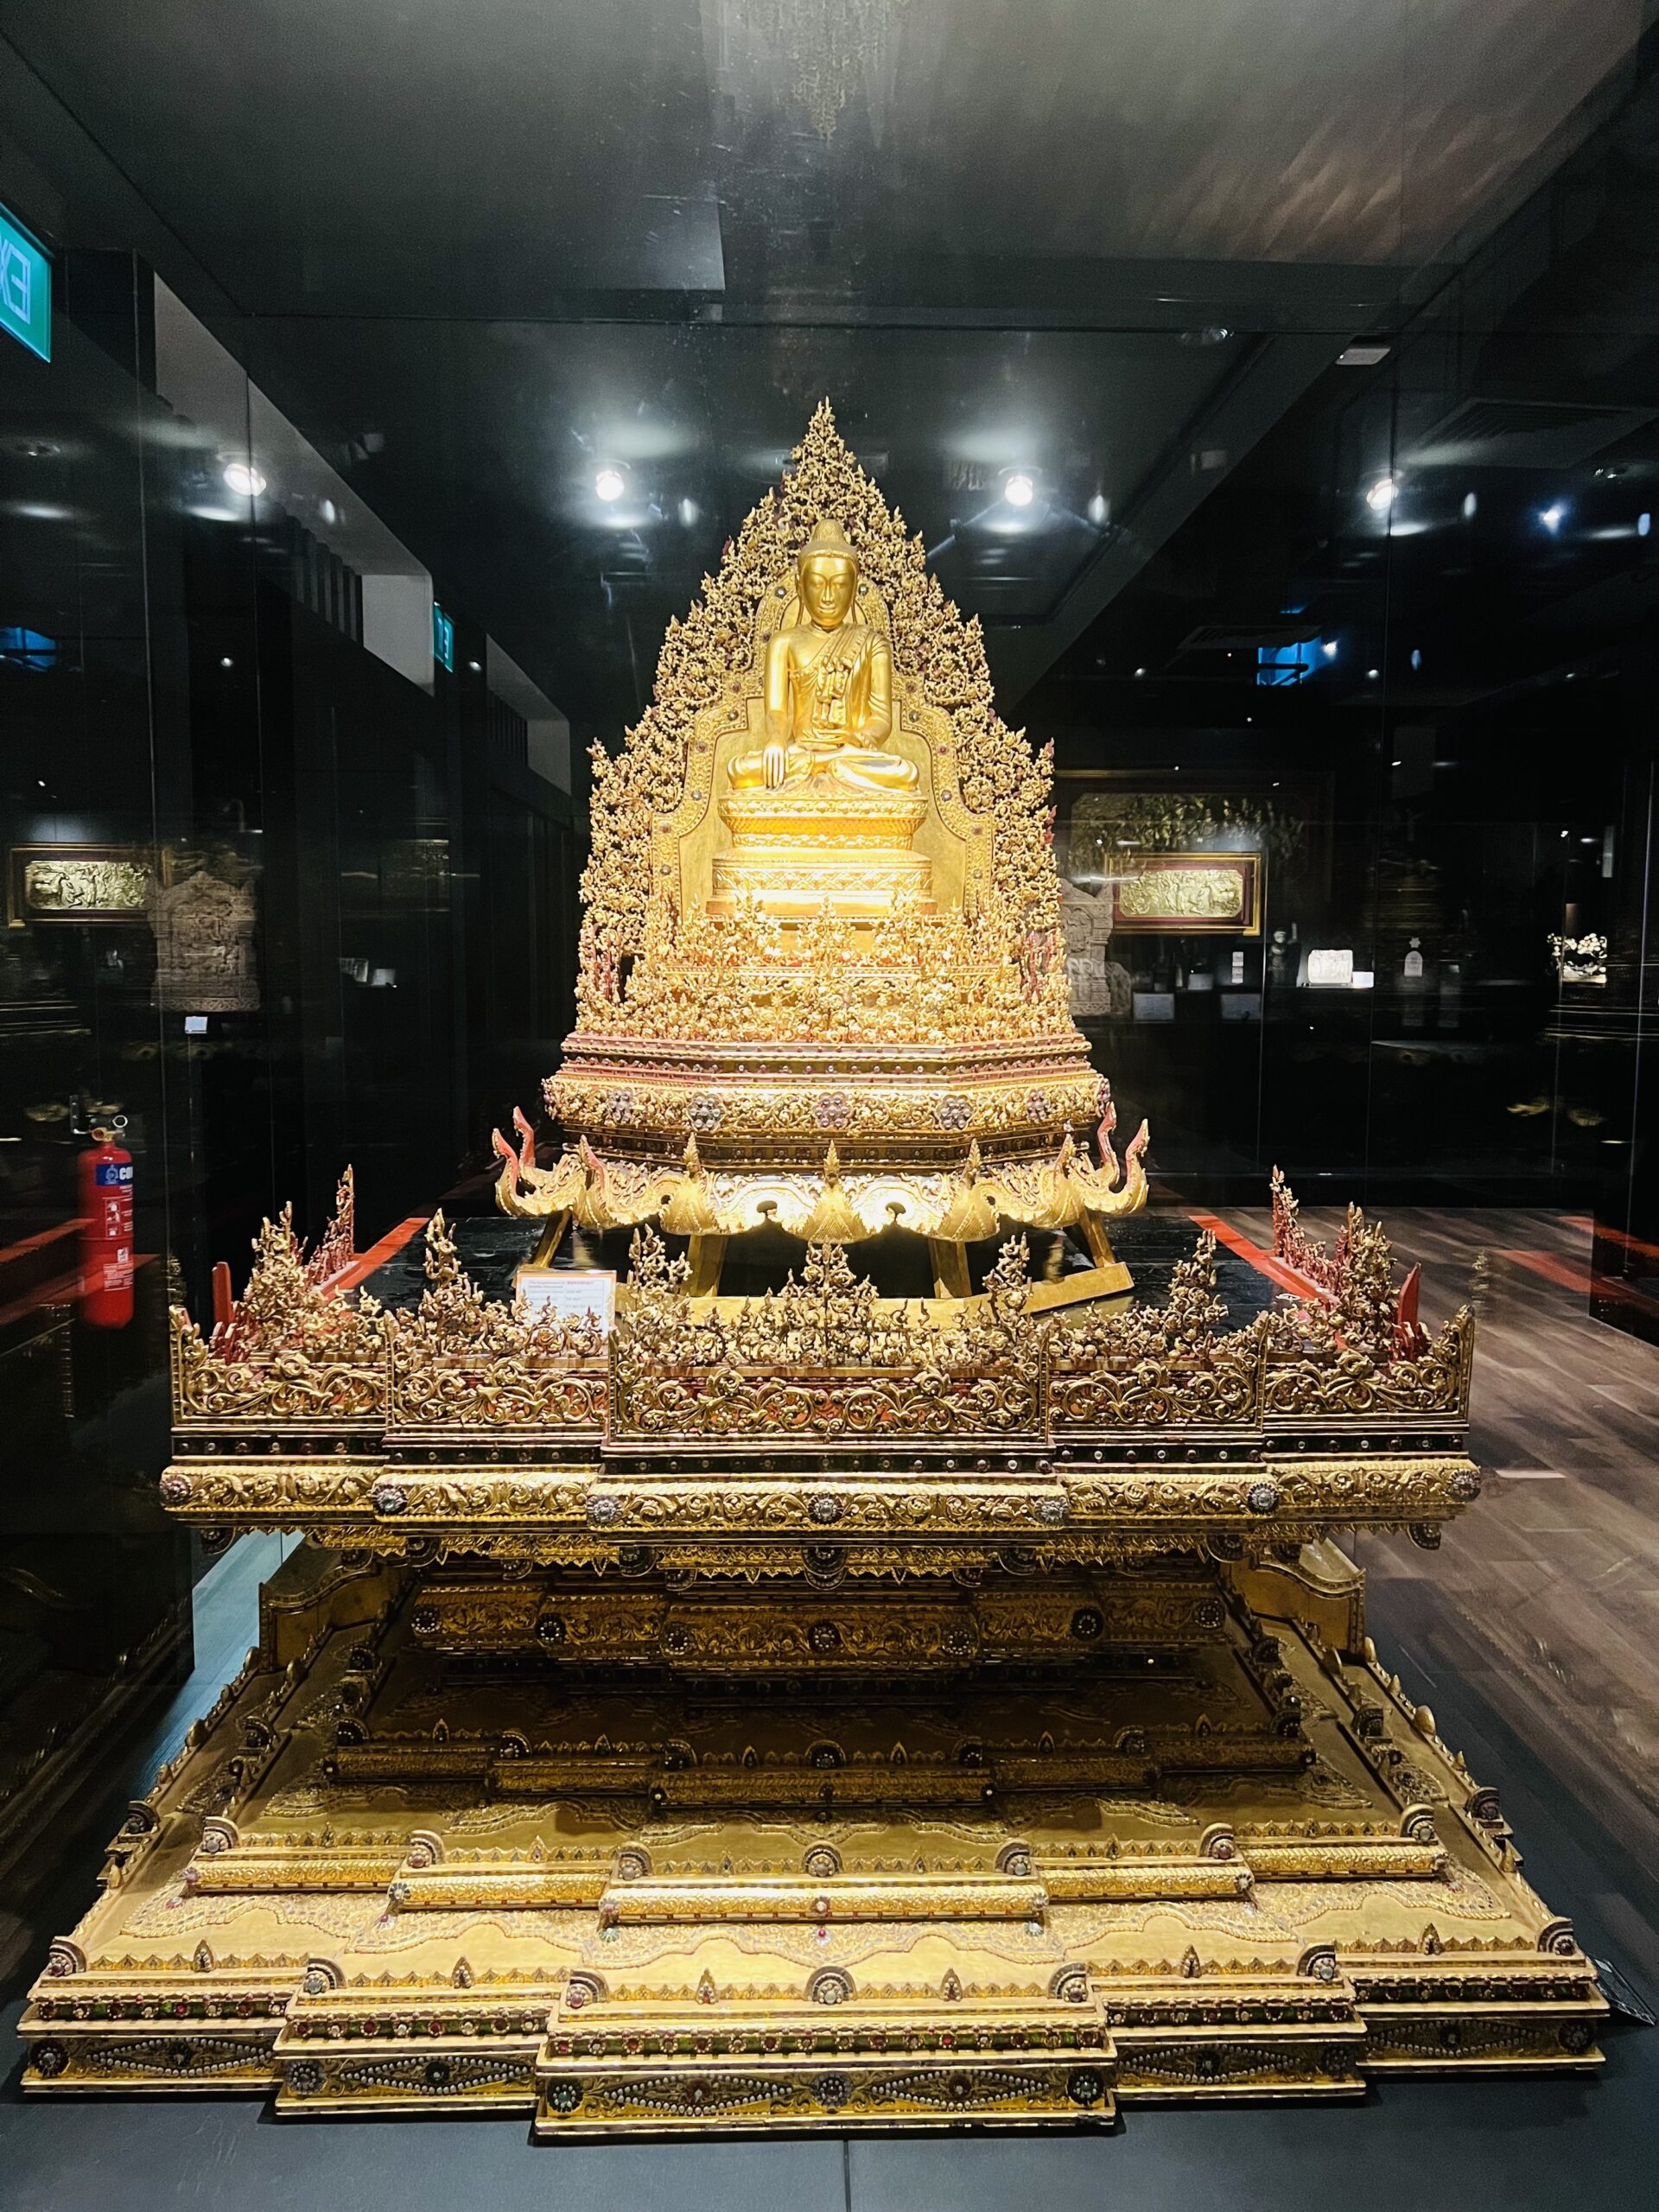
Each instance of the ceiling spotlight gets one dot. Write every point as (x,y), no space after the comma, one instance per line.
(1553,516)
(1019,490)
(1380,497)
(244,478)
(1328,649)
(610,484)
(1371,674)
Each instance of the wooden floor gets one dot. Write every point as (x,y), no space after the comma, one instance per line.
(1543,1601)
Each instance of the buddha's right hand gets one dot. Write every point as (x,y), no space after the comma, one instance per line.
(774,761)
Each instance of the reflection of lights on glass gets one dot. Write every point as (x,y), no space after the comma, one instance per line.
(1371,674)
(688,513)
(1553,516)
(329,512)
(226,661)
(1140,671)
(1328,649)
(244,478)
(1100,510)
(1644,523)
(1018,490)
(1416,656)
(1380,497)
(610,484)
(1470,504)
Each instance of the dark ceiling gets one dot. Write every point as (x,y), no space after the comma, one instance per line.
(480,251)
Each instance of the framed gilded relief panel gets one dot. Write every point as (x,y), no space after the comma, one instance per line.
(1110,821)
(79,883)
(1184,894)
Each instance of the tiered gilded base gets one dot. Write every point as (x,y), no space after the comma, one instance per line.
(820,850)
(646,1855)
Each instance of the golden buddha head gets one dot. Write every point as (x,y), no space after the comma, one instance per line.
(826,574)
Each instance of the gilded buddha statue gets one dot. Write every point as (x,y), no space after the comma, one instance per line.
(829,698)
(821,813)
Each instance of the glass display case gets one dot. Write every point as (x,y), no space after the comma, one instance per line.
(744,727)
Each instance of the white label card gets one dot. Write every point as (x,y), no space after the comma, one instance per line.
(568,1293)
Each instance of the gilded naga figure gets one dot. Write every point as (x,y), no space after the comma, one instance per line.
(829,687)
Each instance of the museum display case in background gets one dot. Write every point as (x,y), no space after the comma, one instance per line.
(1328,570)
(289,878)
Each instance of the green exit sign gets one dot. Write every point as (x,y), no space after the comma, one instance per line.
(25,288)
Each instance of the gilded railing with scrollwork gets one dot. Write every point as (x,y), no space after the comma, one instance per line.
(1143,1424)
(295,1387)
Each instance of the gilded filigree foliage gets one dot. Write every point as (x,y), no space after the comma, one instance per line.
(290,1304)
(456,1319)
(1185,1327)
(927,978)
(830,1318)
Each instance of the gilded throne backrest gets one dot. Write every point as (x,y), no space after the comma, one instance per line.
(685,842)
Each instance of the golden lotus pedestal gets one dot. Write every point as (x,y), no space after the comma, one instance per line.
(627,1854)
(812,850)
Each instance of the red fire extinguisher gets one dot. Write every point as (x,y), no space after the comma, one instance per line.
(106,1234)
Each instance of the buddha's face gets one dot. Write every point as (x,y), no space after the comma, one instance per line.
(827,581)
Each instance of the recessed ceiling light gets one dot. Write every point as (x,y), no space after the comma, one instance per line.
(1328,649)
(1363,356)
(1380,497)
(1553,516)
(1019,490)
(244,480)
(610,484)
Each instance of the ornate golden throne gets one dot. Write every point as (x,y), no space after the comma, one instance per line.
(812,1710)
